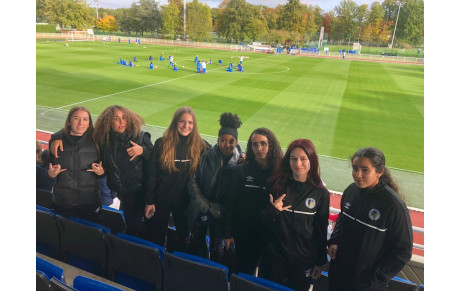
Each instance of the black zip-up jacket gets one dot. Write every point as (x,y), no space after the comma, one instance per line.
(76,186)
(247,197)
(170,188)
(299,234)
(124,176)
(374,237)
(208,187)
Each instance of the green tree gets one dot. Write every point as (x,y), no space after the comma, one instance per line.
(199,21)
(362,15)
(170,21)
(149,15)
(40,11)
(344,25)
(68,13)
(231,19)
(291,17)
(411,22)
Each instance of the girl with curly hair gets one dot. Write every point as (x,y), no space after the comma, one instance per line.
(248,196)
(125,152)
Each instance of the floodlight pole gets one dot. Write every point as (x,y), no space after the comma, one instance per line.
(396,24)
(185,19)
(97,6)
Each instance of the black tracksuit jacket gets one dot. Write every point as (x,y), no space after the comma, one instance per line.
(299,234)
(247,197)
(374,238)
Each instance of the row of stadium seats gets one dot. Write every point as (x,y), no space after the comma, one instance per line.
(127,260)
(139,264)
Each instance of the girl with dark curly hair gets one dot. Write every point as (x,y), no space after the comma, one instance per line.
(248,196)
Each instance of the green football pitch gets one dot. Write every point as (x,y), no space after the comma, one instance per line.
(341,105)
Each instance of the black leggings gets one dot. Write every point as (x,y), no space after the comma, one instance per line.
(133,206)
(157,226)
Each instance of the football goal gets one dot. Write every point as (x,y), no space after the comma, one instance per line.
(80,35)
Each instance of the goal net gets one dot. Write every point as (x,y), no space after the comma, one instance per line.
(80,35)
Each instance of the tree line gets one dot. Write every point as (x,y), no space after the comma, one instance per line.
(238,21)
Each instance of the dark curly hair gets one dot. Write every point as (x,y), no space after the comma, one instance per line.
(229,123)
(275,154)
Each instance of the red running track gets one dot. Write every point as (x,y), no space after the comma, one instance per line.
(417,217)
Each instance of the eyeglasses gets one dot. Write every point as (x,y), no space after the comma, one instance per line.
(257,144)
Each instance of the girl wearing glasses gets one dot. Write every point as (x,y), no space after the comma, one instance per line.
(248,196)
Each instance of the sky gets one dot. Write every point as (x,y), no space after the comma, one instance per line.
(326,5)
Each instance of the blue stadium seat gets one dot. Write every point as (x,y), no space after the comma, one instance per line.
(47,233)
(83,244)
(42,282)
(44,198)
(113,219)
(421,287)
(400,284)
(49,269)
(188,272)
(87,284)
(145,271)
(245,282)
(57,285)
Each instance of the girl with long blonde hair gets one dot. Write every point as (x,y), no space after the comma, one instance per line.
(175,159)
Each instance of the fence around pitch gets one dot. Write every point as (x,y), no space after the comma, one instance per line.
(380,58)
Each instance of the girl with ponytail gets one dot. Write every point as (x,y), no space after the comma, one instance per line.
(372,239)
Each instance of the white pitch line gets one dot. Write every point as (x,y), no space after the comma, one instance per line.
(129,90)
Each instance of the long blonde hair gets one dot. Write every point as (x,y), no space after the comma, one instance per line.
(171,138)
(104,124)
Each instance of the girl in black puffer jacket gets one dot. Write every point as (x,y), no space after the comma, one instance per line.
(77,168)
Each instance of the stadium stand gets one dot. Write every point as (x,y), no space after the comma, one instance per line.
(113,219)
(188,272)
(87,284)
(43,283)
(83,244)
(245,282)
(44,198)
(49,269)
(145,272)
(47,233)
(322,283)
(57,285)
(399,284)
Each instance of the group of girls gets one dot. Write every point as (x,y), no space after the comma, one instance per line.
(272,209)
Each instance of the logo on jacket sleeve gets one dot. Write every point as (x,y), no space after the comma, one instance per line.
(374,214)
(249,179)
(310,203)
(347,205)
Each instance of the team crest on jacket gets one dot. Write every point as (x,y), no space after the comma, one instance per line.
(310,203)
(374,214)
(249,178)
